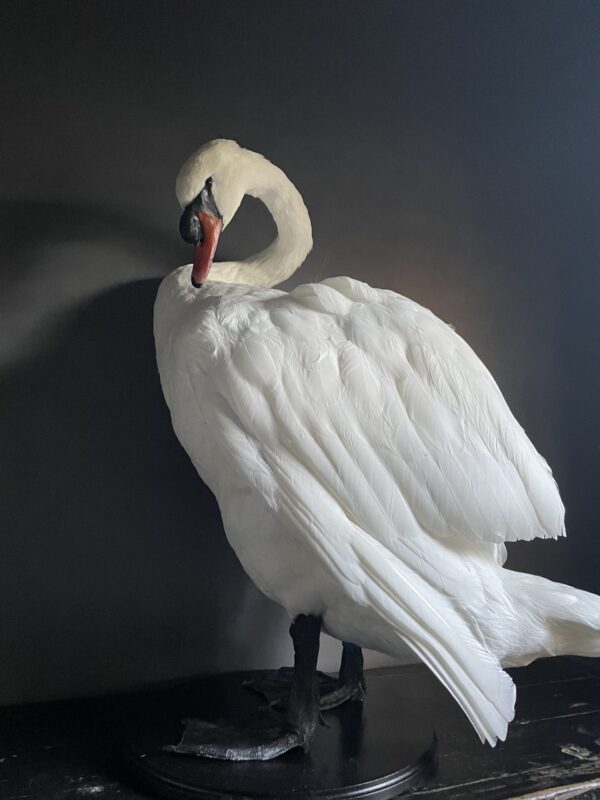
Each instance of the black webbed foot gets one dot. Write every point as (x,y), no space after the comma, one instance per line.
(342,694)
(273,735)
(275,689)
(333,692)
(227,742)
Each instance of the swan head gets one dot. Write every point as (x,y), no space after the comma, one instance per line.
(210,187)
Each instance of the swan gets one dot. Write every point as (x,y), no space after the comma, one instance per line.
(367,467)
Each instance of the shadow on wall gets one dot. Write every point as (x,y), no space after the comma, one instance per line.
(115,569)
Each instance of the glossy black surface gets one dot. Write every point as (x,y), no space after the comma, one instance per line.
(62,751)
(376,749)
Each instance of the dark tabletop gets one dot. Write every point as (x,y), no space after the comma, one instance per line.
(64,750)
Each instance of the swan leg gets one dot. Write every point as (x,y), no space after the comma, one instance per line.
(264,741)
(351,680)
(349,685)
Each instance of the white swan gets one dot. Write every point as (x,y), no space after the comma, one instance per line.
(366,465)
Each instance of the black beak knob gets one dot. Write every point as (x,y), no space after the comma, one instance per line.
(189,226)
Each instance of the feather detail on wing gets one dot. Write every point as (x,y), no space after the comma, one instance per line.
(440,635)
(386,603)
(365,423)
(392,412)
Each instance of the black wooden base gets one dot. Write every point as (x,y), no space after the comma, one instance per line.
(377,749)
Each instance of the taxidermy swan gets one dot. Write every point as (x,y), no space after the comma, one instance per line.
(367,468)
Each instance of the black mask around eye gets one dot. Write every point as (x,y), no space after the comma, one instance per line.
(189,224)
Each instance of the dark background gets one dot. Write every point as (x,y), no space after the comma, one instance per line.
(448,151)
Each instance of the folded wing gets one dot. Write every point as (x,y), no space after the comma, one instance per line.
(365,422)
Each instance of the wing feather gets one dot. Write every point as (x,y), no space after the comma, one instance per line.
(366,424)
(409,435)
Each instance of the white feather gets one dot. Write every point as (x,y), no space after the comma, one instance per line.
(365,462)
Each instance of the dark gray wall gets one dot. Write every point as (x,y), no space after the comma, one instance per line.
(446,150)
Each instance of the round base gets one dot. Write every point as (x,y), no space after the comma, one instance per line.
(376,749)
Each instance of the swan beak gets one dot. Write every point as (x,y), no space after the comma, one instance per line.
(204,251)
(201,225)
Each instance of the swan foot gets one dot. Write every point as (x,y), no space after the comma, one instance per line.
(275,689)
(333,692)
(228,743)
(343,694)
(268,738)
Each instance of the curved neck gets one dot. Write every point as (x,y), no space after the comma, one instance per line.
(293,242)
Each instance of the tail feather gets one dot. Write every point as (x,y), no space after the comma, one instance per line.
(559,619)
(440,635)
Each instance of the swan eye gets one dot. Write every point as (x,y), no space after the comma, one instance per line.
(209,183)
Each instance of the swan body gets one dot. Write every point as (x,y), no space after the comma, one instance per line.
(367,468)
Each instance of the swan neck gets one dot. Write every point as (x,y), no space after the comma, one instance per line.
(293,241)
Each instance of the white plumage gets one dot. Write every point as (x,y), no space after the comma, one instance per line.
(366,465)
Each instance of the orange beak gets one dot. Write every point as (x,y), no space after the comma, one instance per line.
(205,252)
